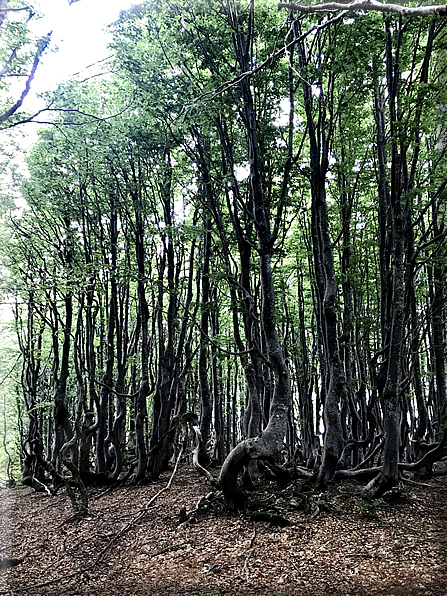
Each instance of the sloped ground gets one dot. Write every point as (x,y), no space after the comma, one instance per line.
(390,549)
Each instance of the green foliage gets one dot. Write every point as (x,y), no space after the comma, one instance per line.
(370,508)
(9,416)
(143,146)
(206,591)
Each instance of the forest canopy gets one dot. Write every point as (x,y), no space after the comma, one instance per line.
(234,244)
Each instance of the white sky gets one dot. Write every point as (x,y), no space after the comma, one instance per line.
(78,31)
(80,36)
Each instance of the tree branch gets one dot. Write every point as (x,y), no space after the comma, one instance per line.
(268,61)
(66,122)
(5,69)
(366,5)
(18,9)
(12,110)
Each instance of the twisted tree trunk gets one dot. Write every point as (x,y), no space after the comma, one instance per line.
(270,442)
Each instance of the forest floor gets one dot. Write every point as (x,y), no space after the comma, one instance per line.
(318,545)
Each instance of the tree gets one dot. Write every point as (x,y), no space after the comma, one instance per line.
(16,57)
(254,251)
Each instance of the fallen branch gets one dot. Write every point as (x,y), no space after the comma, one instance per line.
(141,512)
(420,484)
(367,473)
(11,590)
(168,549)
(437,453)
(11,562)
(249,555)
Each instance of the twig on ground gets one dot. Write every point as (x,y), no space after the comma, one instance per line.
(249,555)
(12,562)
(168,549)
(11,590)
(76,516)
(414,483)
(140,514)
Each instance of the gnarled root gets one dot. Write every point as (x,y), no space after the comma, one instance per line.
(263,447)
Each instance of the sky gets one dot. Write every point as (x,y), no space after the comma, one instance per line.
(81,40)
(78,32)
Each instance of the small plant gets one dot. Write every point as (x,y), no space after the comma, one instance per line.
(323,504)
(207,592)
(370,508)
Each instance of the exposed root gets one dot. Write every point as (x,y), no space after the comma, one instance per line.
(203,503)
(11,562)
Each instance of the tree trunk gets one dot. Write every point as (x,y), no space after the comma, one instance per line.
(206,398)
(269,443)
(326,280)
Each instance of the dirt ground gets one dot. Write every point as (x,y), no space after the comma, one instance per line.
(318,545)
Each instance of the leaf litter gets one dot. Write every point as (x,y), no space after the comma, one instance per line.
(289,542)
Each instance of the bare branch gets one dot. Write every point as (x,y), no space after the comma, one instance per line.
(18,9)
(366,5)
(12,110)
(9,373)
(5,69)
(93,118)
(268,61)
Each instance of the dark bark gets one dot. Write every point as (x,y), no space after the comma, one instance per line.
(438,318)
(325,276)
(243,227)
(206,398)
(218,417)
(61,368)
(161,442)
(269,443)
(140,407)
(30,346)
(396,238)
(305,385)
(42,46)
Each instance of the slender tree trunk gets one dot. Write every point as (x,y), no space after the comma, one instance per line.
(392,282)
(270,442)
(143,311)
(326,283)
(206,398)
(162,438)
